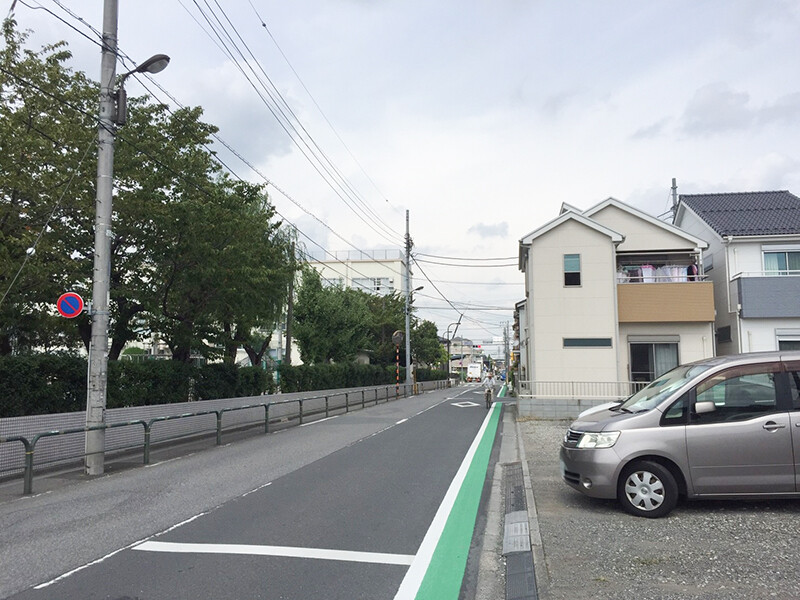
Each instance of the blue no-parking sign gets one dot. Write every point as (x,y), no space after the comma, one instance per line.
(70,305)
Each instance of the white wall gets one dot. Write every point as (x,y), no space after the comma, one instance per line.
(695,341)
(557,312)
(760,335)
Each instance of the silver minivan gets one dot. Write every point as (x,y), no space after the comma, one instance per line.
(718,428)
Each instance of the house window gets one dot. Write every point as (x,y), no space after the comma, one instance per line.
(652,359)
(572,269)
(782,262)
(587,343)
(724,334)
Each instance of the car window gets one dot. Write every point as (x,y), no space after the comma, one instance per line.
(659,390)
(676,414)
(738,394)
(793,369)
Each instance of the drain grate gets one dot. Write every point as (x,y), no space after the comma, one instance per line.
(514,487)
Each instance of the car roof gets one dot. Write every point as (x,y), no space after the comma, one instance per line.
(750,357)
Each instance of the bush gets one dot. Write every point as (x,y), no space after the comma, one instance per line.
(46,383)
(304,378)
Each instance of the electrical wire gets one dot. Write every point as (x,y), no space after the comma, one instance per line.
(287,119)
(213,154)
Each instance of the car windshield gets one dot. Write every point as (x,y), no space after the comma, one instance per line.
(652,395)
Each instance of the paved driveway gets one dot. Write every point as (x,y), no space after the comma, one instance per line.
(723,550)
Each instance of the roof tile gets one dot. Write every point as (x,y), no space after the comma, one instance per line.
(748,213)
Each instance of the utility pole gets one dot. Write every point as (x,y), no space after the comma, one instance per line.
(113,112)
(674,199)
(408,303)
(98,347)
(289,311)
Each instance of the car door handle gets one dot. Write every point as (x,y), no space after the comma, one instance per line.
(773,426)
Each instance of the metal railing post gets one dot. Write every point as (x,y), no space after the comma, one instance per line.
(266,417)
(347,402)
(363,396)
(219,426)
(300,401)
(327,407)
(28,484)
(147,443)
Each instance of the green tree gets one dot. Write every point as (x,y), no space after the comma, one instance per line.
(387,315)
(196,257)
(46,178)
(331,323)
(425,345)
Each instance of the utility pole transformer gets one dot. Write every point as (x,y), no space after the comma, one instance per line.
(98,348)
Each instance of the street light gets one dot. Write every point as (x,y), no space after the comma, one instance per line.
(154,64)
(109,118)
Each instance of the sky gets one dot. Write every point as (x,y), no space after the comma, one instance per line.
(479,118)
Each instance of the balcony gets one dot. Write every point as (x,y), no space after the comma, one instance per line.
(768,294)
(666,302)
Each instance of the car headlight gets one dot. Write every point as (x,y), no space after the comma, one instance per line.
(605,439)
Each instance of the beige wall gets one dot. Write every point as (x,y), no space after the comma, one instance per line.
(640,235)
(559,312)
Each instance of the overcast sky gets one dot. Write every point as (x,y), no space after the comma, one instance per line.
(480,118)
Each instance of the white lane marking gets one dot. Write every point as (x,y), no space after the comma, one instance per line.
(261,487)
(110,554)
(401,421)
(284,551)
(319,421)
(416,572)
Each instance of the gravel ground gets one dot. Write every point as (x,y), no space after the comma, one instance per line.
(710,550)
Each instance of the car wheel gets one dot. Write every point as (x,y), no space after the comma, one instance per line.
(647,489)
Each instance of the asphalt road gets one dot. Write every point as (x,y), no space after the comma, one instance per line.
(335,509)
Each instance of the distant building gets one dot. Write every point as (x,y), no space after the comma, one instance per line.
(380,272)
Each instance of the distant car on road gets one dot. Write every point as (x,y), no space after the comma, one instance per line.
(717,428)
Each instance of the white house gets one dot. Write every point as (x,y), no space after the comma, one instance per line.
(609,301)
(753,258)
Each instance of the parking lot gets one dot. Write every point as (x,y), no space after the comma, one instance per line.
(704,549)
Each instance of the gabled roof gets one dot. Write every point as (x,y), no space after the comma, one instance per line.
(747,213)
(526,241)
(567,216)
(610,201)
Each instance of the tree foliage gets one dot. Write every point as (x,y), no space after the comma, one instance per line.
(197,258)
(331,323)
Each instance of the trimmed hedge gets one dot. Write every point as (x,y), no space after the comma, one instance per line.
(44,383)
(306,378)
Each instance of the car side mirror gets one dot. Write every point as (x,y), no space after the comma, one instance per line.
(702,408)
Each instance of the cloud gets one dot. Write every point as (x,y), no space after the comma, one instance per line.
(485,230)
(651,131)
(785,109)
(716,108)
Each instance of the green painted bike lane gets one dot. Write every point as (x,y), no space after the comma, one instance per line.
(444,572)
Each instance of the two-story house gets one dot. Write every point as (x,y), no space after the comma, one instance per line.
(753,258)
(613,296)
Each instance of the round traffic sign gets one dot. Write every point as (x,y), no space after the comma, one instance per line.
(70,305)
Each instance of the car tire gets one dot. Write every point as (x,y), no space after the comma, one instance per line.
(647,489)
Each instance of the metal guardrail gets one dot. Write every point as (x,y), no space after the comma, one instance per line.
(610,390)
(30,444)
